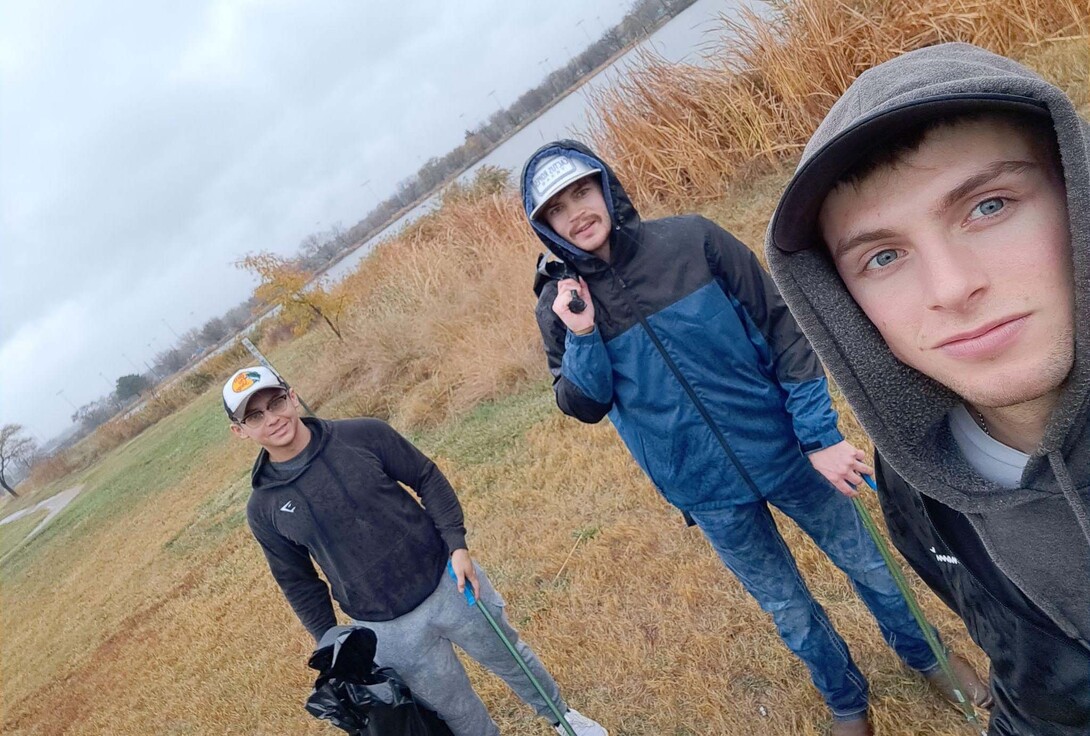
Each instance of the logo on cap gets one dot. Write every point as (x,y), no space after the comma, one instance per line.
(552,172)
(244,380)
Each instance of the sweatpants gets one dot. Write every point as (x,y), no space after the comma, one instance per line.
(419,645)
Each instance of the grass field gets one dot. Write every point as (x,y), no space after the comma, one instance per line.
(145,607)
(14,533)
(158,616)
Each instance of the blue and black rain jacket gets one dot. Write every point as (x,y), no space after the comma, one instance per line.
(694,356)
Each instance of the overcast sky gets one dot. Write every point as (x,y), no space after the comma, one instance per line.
(144,147)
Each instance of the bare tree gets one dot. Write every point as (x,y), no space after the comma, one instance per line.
(214,330)
(170,361)
(14,445)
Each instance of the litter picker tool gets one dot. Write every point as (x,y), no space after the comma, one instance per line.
(559,270)
(471,600)
(928,631)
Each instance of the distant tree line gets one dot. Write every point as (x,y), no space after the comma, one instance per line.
(640,21)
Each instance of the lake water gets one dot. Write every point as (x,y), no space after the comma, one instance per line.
(687,37)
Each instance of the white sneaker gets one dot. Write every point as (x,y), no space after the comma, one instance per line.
(582,725)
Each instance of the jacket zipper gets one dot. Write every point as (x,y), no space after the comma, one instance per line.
(685,385)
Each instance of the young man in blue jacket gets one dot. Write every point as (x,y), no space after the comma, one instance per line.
(329,490)
(686,345)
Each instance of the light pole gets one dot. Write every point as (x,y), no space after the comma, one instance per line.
(164,321)
(152,372)
(113,390)
(63,395)
(134,366)
(506,113)
(585,31)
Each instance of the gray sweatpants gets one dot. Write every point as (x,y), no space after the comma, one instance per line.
(419,646)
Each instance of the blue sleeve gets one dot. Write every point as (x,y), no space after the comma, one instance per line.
(583,383)
(586,365)
(785,351)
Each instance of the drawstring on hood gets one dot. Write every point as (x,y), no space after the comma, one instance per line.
(1045,521)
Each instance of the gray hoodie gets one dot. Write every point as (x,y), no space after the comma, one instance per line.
(1038,535)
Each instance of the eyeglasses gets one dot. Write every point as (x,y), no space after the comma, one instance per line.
(276,405)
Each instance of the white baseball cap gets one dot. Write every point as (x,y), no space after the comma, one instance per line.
(244,384)
(552,175)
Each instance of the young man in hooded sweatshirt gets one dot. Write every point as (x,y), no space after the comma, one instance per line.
(934,246)
(330,490)
(686,345)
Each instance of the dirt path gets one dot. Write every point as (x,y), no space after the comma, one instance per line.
(54,504)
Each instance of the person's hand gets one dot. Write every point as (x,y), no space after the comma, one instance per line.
(462,564)
(583,322)
(842,465)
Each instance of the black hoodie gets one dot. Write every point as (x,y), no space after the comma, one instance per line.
(1014,563)
(382,551)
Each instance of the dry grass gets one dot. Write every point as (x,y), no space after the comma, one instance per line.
(166,621)
(441,317)
(682,134)
(145,607)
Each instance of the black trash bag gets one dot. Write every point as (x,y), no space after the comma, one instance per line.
(355,696)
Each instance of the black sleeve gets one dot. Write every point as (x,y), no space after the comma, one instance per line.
(405,463)
(570,399)
(900,508)
(294,572)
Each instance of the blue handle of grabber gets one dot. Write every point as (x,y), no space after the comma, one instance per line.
(470,598)
(870,482)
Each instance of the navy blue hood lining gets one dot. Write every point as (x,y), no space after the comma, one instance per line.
(617,202)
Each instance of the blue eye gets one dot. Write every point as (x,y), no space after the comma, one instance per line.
(988,207)
(881,259)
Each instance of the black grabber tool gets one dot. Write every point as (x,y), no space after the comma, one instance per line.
(558,270)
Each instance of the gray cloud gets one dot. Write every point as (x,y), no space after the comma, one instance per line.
(145,148)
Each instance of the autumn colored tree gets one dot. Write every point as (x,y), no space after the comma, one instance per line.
(301,299)
(14,445)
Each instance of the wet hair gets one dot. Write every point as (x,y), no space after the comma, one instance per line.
(883,155)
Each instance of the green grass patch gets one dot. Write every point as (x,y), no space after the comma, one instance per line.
(217,517)
(491,430)
(13,533)
(160,457)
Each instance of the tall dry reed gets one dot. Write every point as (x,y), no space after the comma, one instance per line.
(442,314)
(682,134)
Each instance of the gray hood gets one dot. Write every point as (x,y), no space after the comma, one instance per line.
(903,411)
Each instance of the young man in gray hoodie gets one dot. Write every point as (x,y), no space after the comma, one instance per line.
(933,246)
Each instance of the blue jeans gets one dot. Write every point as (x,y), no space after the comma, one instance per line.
(747,540)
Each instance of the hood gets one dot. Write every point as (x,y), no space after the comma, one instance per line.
(320,432)
(624,234)
(902,410)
